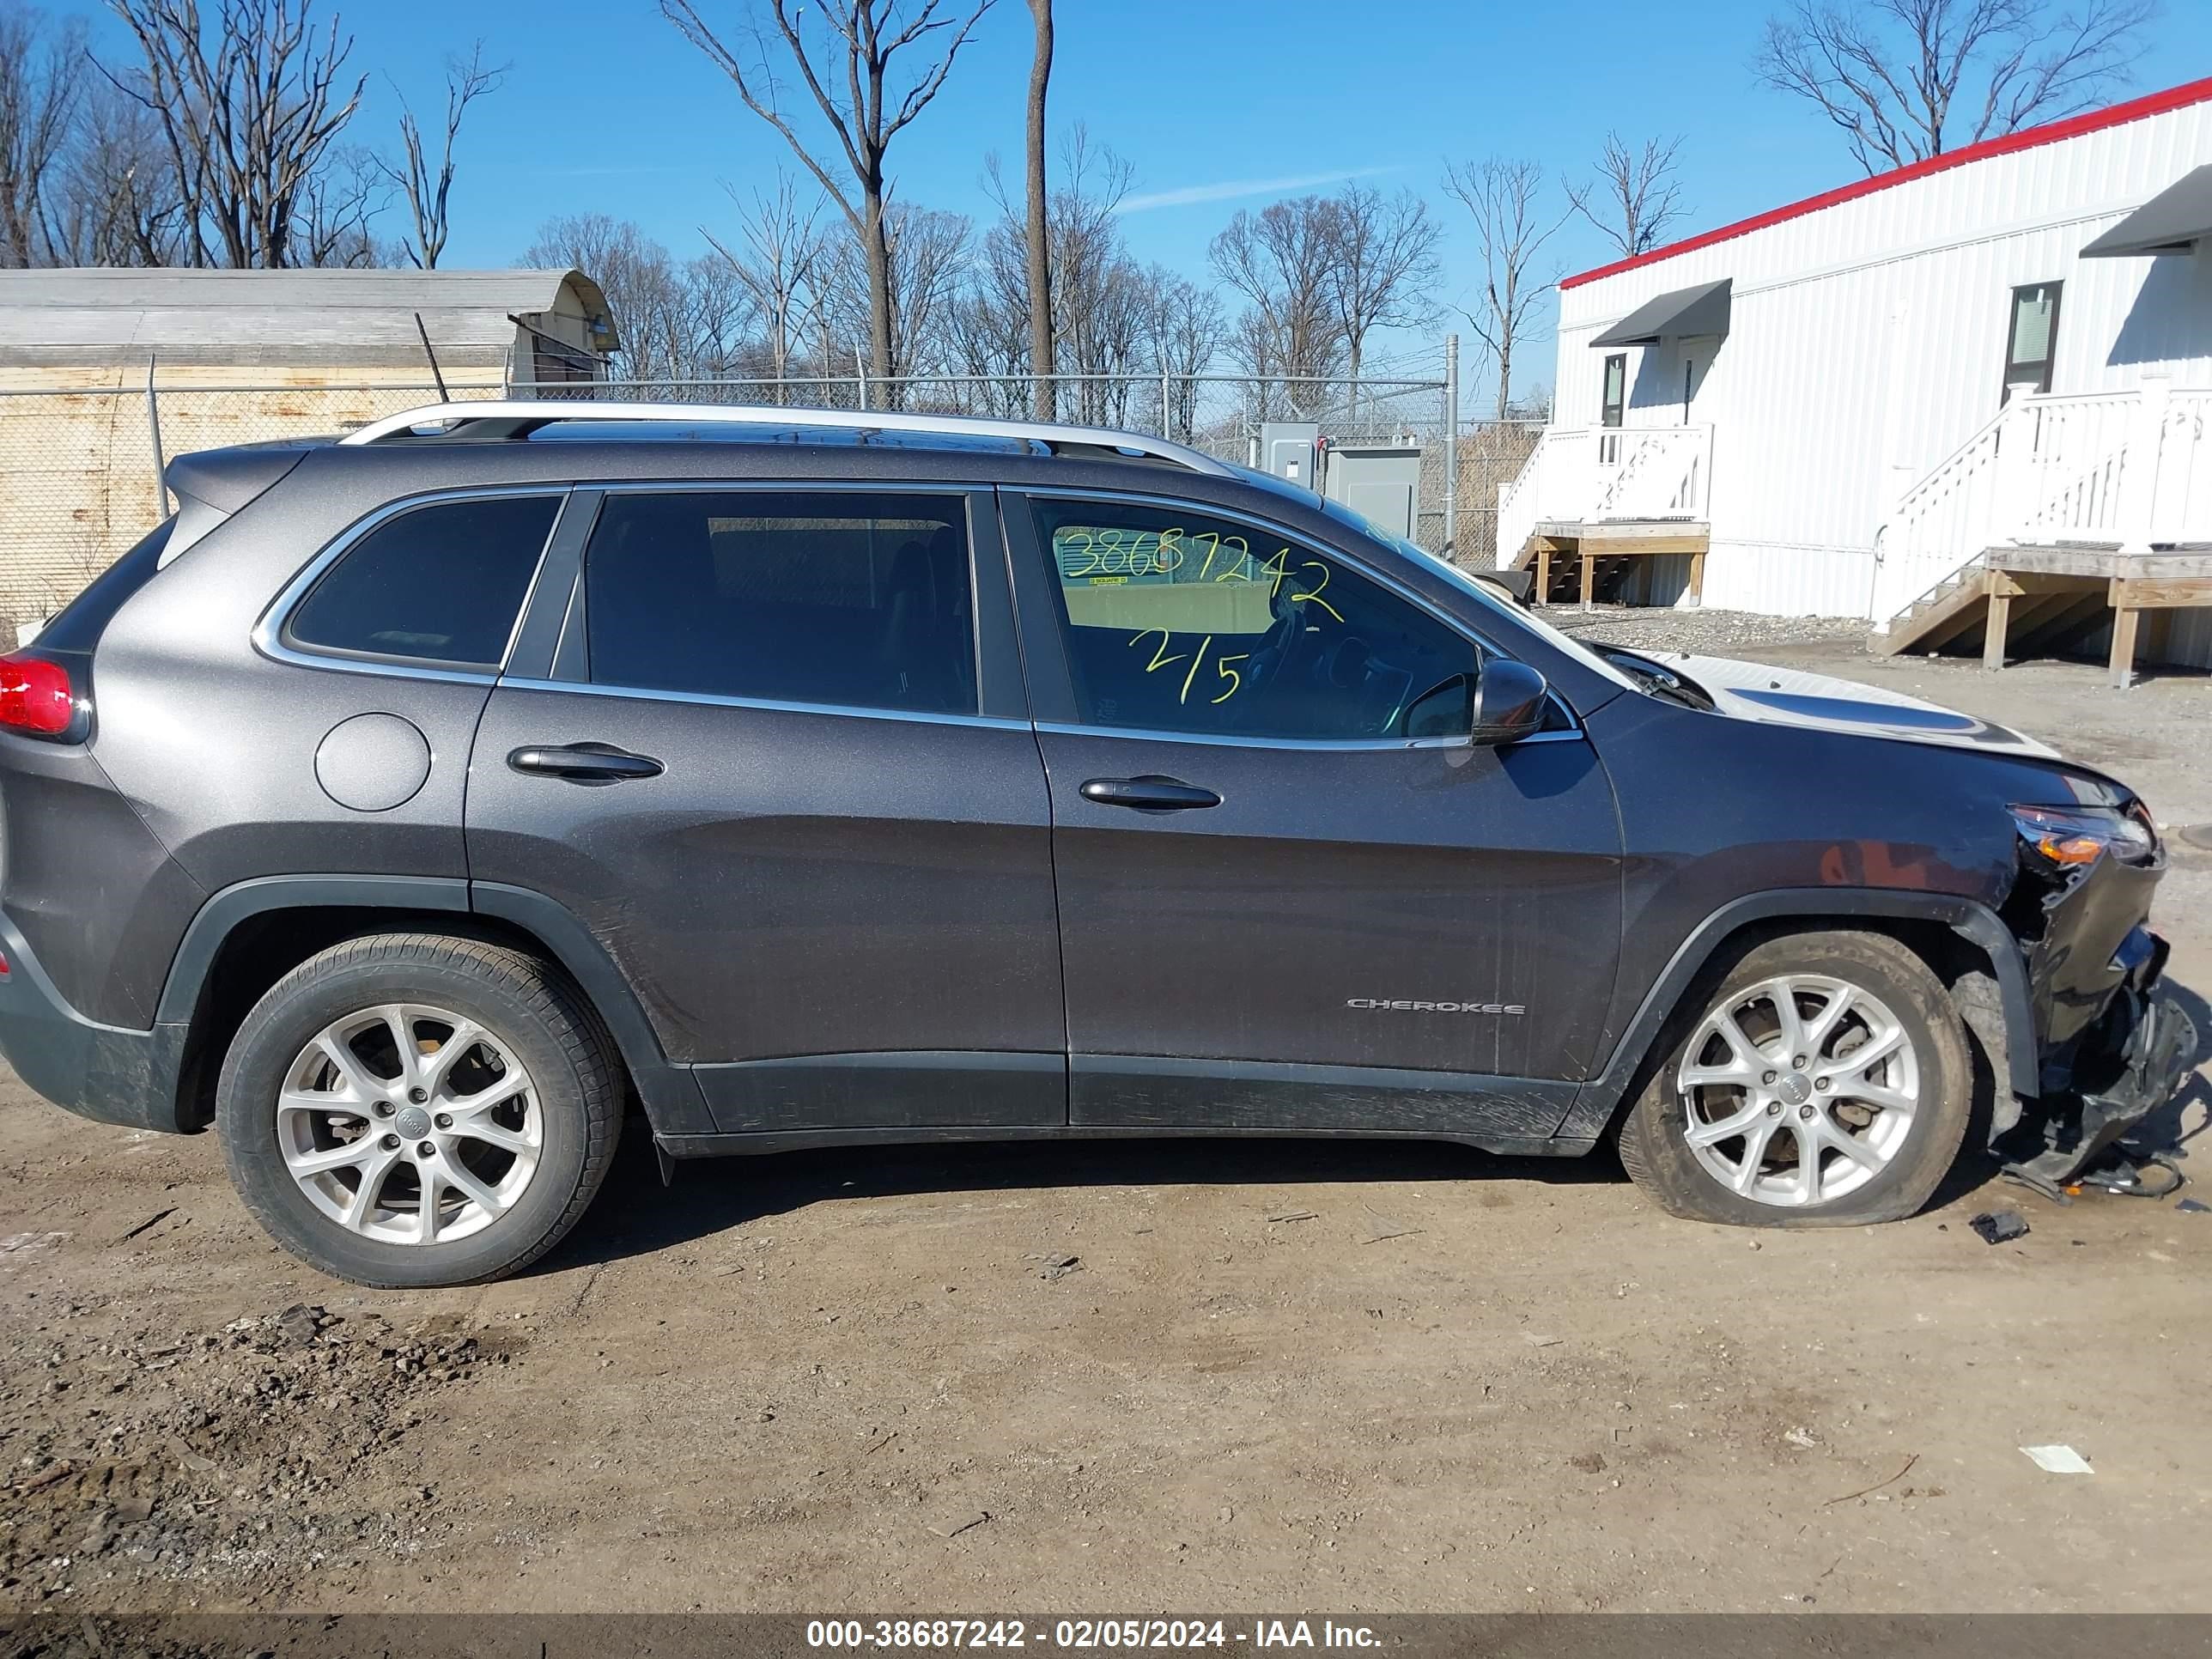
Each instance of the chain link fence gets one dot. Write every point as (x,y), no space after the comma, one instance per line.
(80,469)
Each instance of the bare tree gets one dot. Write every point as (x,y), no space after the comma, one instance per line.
(116,199)
(1385,263)
(1907,79)
(925,258)
(249,107)
(1096,289)
(1635,197)
(644,288)
(1282,260)
(1038,238)
(858,43)
(1511,225)
(777,263)
(428,191)
(1184,333)
(716,319)
(41,92)
(337,201)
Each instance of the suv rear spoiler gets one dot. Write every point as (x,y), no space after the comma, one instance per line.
(213,485)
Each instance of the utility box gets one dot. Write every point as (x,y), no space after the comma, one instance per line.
(1291,450)
(1382,482)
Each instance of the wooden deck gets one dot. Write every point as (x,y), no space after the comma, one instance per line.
(1595,561)
(2026,600)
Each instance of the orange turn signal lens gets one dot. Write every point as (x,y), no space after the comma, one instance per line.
(2071,837)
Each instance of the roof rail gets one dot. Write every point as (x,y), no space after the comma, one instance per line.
(502,419)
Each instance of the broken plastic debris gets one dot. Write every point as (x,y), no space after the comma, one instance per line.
(1996,1227)
(2195,1207)
(2058,1460)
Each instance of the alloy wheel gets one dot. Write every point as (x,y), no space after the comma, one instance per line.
(410,1124)
(1798,1091)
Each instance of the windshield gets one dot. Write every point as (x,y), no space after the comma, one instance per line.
(1481,593)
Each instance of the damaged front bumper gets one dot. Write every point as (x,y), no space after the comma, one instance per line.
(2112,1073)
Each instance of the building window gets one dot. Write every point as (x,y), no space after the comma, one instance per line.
(1610,405)
(2032,340)
(1616,389)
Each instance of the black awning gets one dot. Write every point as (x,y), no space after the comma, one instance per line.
(1700,310)
(2173,221)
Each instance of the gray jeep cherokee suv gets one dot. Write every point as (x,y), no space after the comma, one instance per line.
(407,804)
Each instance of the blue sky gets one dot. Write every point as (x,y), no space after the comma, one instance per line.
(1219,104)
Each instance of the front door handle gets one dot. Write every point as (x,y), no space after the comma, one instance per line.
(585,763)
(1149,793)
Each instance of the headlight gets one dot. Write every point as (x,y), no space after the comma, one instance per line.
(2060,837)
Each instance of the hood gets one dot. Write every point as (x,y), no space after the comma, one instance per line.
(1790,696)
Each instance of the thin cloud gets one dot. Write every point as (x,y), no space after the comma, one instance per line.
(1229,189)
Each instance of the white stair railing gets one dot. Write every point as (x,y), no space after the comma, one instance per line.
(1661,474)
(2122,469)
(1942,524)
(1518,499)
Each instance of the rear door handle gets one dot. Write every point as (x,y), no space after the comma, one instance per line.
(1149,793)
(585,763)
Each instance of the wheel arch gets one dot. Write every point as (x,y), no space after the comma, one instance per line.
(1958,939)
(249,936)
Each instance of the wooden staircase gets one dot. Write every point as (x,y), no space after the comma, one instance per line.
(1998,612)
(1602,563)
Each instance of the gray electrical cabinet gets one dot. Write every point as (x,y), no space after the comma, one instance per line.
(1382,482)
(1291,450)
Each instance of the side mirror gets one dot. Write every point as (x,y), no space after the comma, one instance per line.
(1444,710)
(1509,702)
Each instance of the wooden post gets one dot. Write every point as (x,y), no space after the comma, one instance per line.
(2123,646)
(1993,636)
(1697,578)
(1543,593)
(1589,579)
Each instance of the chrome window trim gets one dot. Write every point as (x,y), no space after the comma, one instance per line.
(1328,745)
(799,486)
(1365,567)
(270,632)
(716,700)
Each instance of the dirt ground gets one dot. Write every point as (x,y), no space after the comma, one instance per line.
(1122,1378)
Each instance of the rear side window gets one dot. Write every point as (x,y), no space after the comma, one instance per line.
(858,600)
(441,583)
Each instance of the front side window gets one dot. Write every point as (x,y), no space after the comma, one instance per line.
(440,583)
(1177,621)
(857,599)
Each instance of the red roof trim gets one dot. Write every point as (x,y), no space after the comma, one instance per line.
(2156,103)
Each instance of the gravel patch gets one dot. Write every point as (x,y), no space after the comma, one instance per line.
(1702,632)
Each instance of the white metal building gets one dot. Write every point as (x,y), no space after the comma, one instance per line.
(1841,406)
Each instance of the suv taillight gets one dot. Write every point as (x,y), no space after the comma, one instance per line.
(35,697)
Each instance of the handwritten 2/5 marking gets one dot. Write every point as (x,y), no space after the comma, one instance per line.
(1221,668)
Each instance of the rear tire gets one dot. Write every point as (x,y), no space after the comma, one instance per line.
(1765,1073)
(462,1157)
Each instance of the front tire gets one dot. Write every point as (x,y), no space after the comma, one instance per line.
(1825,1081)
(409,1111)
